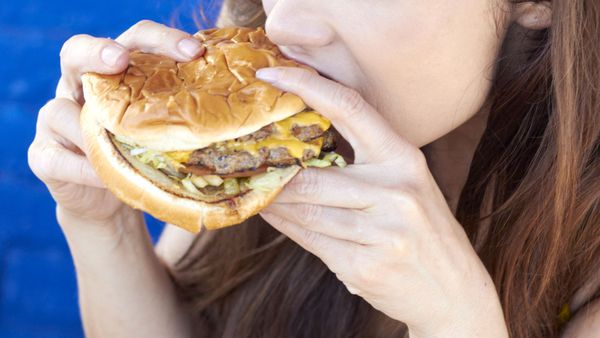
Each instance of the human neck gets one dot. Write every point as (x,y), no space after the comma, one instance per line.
(450,156)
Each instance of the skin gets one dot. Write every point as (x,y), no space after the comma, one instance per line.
(417,84)
(391,237)
(116,265)
(401,87)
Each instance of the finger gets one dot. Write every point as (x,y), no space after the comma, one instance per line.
(61,117)
(369,134)
(84,53)
(52,163)
(333,252)
(151,37)
(325,186)
(345,224)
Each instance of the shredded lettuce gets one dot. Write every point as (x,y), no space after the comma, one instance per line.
(137,151)
(243,183)
(124,140)
(315,162)
(213,180)
(198,181)
(189,186)
(327,160)
(266,181)
(231,186)
(335,158)
(340,161)
(147,156)
(157,160)
(153,158)
(330,157)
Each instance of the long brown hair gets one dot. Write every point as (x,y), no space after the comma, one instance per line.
(543,239)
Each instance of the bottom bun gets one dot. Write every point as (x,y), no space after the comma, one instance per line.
(143,187)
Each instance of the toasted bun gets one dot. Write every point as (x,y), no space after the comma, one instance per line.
(137,189)
(169,106)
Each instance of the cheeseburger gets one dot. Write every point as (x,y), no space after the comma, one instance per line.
(202,143)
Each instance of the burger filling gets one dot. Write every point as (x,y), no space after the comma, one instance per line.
(220,159)
(230,168)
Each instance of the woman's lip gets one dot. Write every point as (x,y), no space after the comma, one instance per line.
(290,53)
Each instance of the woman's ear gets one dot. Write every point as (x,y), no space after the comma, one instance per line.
(533,14)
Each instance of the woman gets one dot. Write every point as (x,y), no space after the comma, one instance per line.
(471,208)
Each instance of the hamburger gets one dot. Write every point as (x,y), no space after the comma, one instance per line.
(202,143)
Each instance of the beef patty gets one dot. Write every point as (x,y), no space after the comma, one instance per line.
(220,161)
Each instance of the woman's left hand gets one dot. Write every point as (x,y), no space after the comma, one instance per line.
(382,224)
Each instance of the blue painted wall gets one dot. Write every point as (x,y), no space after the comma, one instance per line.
(38,296)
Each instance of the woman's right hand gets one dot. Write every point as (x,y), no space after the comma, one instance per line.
(57,154)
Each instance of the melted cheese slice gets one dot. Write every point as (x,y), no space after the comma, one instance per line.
(179,156)
(281,137)
(306,118)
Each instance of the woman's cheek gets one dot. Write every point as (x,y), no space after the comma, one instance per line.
(429,72)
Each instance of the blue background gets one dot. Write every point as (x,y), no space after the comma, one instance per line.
(38,296)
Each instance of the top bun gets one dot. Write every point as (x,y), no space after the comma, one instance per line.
(170,106)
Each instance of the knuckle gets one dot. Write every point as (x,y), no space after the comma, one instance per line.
(304,76)
(145,23)
(44,114)
(306,183)
(349,100)
(46,111)
(415,177)
(58,113)
(311,213)
(405,199)
(142,26)
(389,147)
(365,271)
(416,160)
(83,170)
(360,231)
(399,244)
(311,238)
(33,159)
(39,157)
(49,157)
(71,43)
(151,37)
(50,109)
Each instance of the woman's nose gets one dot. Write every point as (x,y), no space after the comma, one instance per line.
(289,23)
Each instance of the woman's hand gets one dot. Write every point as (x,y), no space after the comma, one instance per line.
(382,224)
(57,154)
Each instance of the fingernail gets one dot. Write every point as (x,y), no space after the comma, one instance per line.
(110,54)
(189,47)
(267,74)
